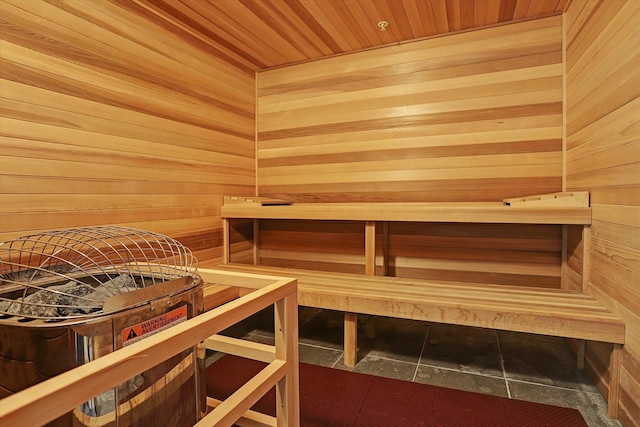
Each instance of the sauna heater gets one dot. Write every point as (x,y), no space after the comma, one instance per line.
(68,297)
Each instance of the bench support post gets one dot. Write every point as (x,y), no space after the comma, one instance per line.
(370,248)
(351,319)
(256,242)
(385,248)
(614,381)
(350,339)
(226,244)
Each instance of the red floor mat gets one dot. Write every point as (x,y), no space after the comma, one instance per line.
(332,398)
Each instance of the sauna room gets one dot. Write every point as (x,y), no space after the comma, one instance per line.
(320,213)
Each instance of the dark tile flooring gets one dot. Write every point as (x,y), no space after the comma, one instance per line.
(519,366)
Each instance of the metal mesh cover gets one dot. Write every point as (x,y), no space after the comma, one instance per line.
(70,273)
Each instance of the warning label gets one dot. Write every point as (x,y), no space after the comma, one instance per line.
(135,333)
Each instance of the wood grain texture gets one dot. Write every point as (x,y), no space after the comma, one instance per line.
(603,157)
(551,211)
(111,116)
(470,117)
(510,254)
(548,312)
(259,34)
(143,114)
(424,121)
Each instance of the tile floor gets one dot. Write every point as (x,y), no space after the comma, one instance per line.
(520,366)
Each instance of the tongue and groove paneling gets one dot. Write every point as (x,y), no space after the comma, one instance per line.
(109,116)
(474,116)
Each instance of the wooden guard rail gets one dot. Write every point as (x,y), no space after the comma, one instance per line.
(50,399)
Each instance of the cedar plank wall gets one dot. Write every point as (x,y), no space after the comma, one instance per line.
(111,116)
(474,116)
(603,157)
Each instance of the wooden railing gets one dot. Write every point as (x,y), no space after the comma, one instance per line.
(50,399)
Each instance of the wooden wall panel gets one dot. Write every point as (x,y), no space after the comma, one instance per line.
(489,253)
(603,157)
(467,117)
(241,241)
(315,245)
(473,116)
(629,390)
(108,117)
(572,275)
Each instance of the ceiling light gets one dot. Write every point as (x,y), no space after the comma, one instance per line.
(383,25)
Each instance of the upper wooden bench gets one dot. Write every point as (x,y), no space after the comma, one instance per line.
(556,208)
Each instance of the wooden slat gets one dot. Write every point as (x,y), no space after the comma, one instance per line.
(629,388)
(251,350)
(407,120)
(268,33)
(550,312)
(603,158)
(216,295)
(109,119)
(580,198)
(419,212)
(335,282)
(261,201)
(250,418)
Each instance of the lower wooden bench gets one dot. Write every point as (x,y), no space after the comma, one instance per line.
(554,312)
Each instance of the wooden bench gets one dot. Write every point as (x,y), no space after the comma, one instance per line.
(555,312)
(552,312)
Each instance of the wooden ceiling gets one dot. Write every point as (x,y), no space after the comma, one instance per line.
(261,34)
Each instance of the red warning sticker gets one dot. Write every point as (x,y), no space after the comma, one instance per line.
(142,330)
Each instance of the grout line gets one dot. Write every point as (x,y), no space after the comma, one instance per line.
(319,346)
(507,380)
(394,360)
(462,372)
(555,386)
(504,371)
(424,344)
(338,359)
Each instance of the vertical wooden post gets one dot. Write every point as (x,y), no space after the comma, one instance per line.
(370,248)
(564,257)
(226,244)
(614,380)
(385,248)
(370,263)
(350,339)
(256,242)
(286,342)
(351,319)
(586,244)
